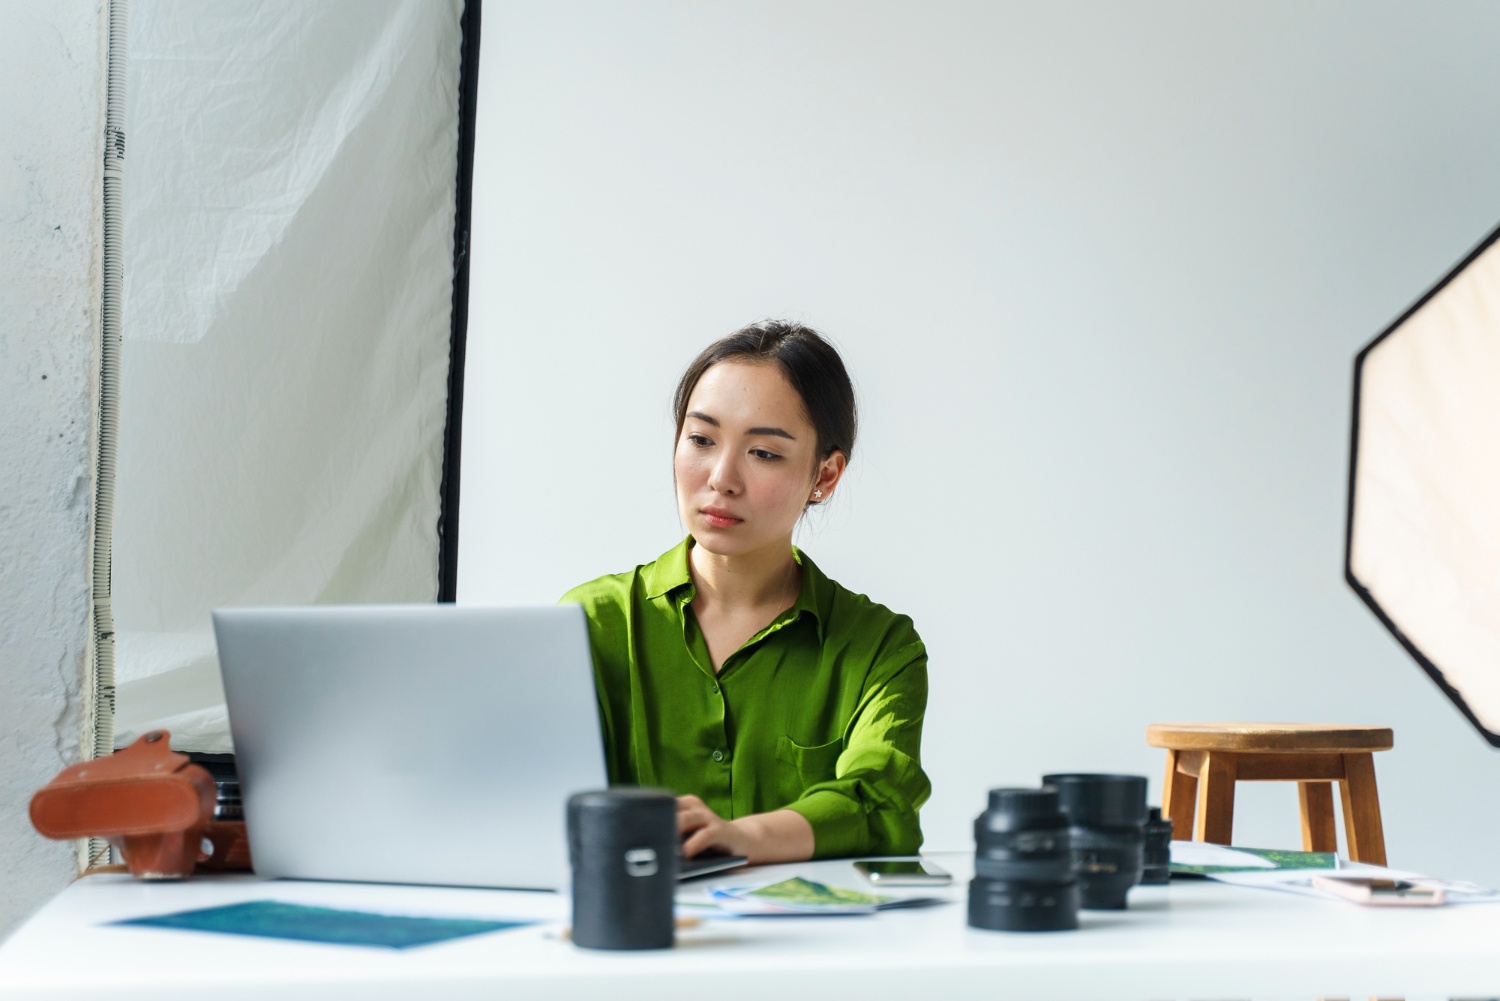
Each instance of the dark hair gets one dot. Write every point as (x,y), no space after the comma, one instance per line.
(809,363)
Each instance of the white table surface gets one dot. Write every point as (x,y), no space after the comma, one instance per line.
(1193,939)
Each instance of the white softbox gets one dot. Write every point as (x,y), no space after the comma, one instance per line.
(1424,484)
(292,187)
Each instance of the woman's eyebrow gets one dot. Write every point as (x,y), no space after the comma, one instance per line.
(773,432)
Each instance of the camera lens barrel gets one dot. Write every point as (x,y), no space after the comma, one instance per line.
(1158,848)
(1106,814)
(1023,871)
(623,847)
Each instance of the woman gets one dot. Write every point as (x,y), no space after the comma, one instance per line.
(785,710)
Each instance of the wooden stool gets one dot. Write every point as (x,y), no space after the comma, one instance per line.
(1205,760)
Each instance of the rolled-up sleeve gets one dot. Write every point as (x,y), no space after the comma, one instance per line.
(870,806)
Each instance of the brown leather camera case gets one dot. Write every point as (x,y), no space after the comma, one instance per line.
(155,807)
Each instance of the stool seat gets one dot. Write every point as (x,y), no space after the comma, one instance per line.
(1205,760)
(1269,738)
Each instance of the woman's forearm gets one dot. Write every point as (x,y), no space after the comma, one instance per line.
(778,836)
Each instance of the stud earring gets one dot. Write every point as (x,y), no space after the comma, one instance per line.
(817,494)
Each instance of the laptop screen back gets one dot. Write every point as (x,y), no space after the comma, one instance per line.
(411,743)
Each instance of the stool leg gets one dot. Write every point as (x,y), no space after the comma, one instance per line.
(1216,778)
(1178,795)
(1362,810)
(1318,832)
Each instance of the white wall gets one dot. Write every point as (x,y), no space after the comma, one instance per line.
(52,59)
(1100,272)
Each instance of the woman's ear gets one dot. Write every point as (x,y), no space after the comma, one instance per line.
(830,471)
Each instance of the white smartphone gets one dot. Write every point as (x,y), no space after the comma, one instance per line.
(902,872)
(1381,892)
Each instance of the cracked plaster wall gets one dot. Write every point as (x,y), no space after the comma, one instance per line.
(52,80)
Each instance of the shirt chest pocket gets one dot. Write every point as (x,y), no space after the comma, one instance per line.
(813,764)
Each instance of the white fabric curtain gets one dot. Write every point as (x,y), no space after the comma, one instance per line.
(290,197)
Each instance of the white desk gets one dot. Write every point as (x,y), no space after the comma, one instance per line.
(1188,940)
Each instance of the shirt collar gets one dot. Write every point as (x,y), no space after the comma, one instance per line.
(815,591)
(670,573)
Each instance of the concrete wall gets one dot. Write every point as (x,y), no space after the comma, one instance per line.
(52,61)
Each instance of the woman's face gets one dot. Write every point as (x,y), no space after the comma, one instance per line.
(746,459)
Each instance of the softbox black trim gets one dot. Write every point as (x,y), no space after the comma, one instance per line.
(468,95)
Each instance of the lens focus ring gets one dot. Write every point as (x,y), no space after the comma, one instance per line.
(1052,870)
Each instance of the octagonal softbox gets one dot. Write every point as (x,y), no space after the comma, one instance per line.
(1423,545)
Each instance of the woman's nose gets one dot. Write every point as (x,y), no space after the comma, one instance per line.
(725,476)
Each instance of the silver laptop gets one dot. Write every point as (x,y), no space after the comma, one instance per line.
(411,743)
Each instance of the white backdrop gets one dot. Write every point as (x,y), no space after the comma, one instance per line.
(1100,272)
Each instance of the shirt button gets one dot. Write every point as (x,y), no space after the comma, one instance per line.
(718,755)
(715,686)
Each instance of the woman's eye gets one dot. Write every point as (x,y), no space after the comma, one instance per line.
(761,453)
(698,441)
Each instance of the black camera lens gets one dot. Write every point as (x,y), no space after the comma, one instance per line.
(1105,818)
(1023,870)
(623,845)
(1158,848)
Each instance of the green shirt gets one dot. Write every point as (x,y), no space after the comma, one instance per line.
(819,712)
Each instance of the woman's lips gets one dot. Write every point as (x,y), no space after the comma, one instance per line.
(719,518)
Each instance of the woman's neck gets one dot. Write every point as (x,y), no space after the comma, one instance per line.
(768,576)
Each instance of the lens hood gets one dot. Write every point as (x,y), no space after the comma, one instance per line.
(1100,800)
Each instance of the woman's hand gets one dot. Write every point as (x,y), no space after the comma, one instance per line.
(778,836)
(702,830)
